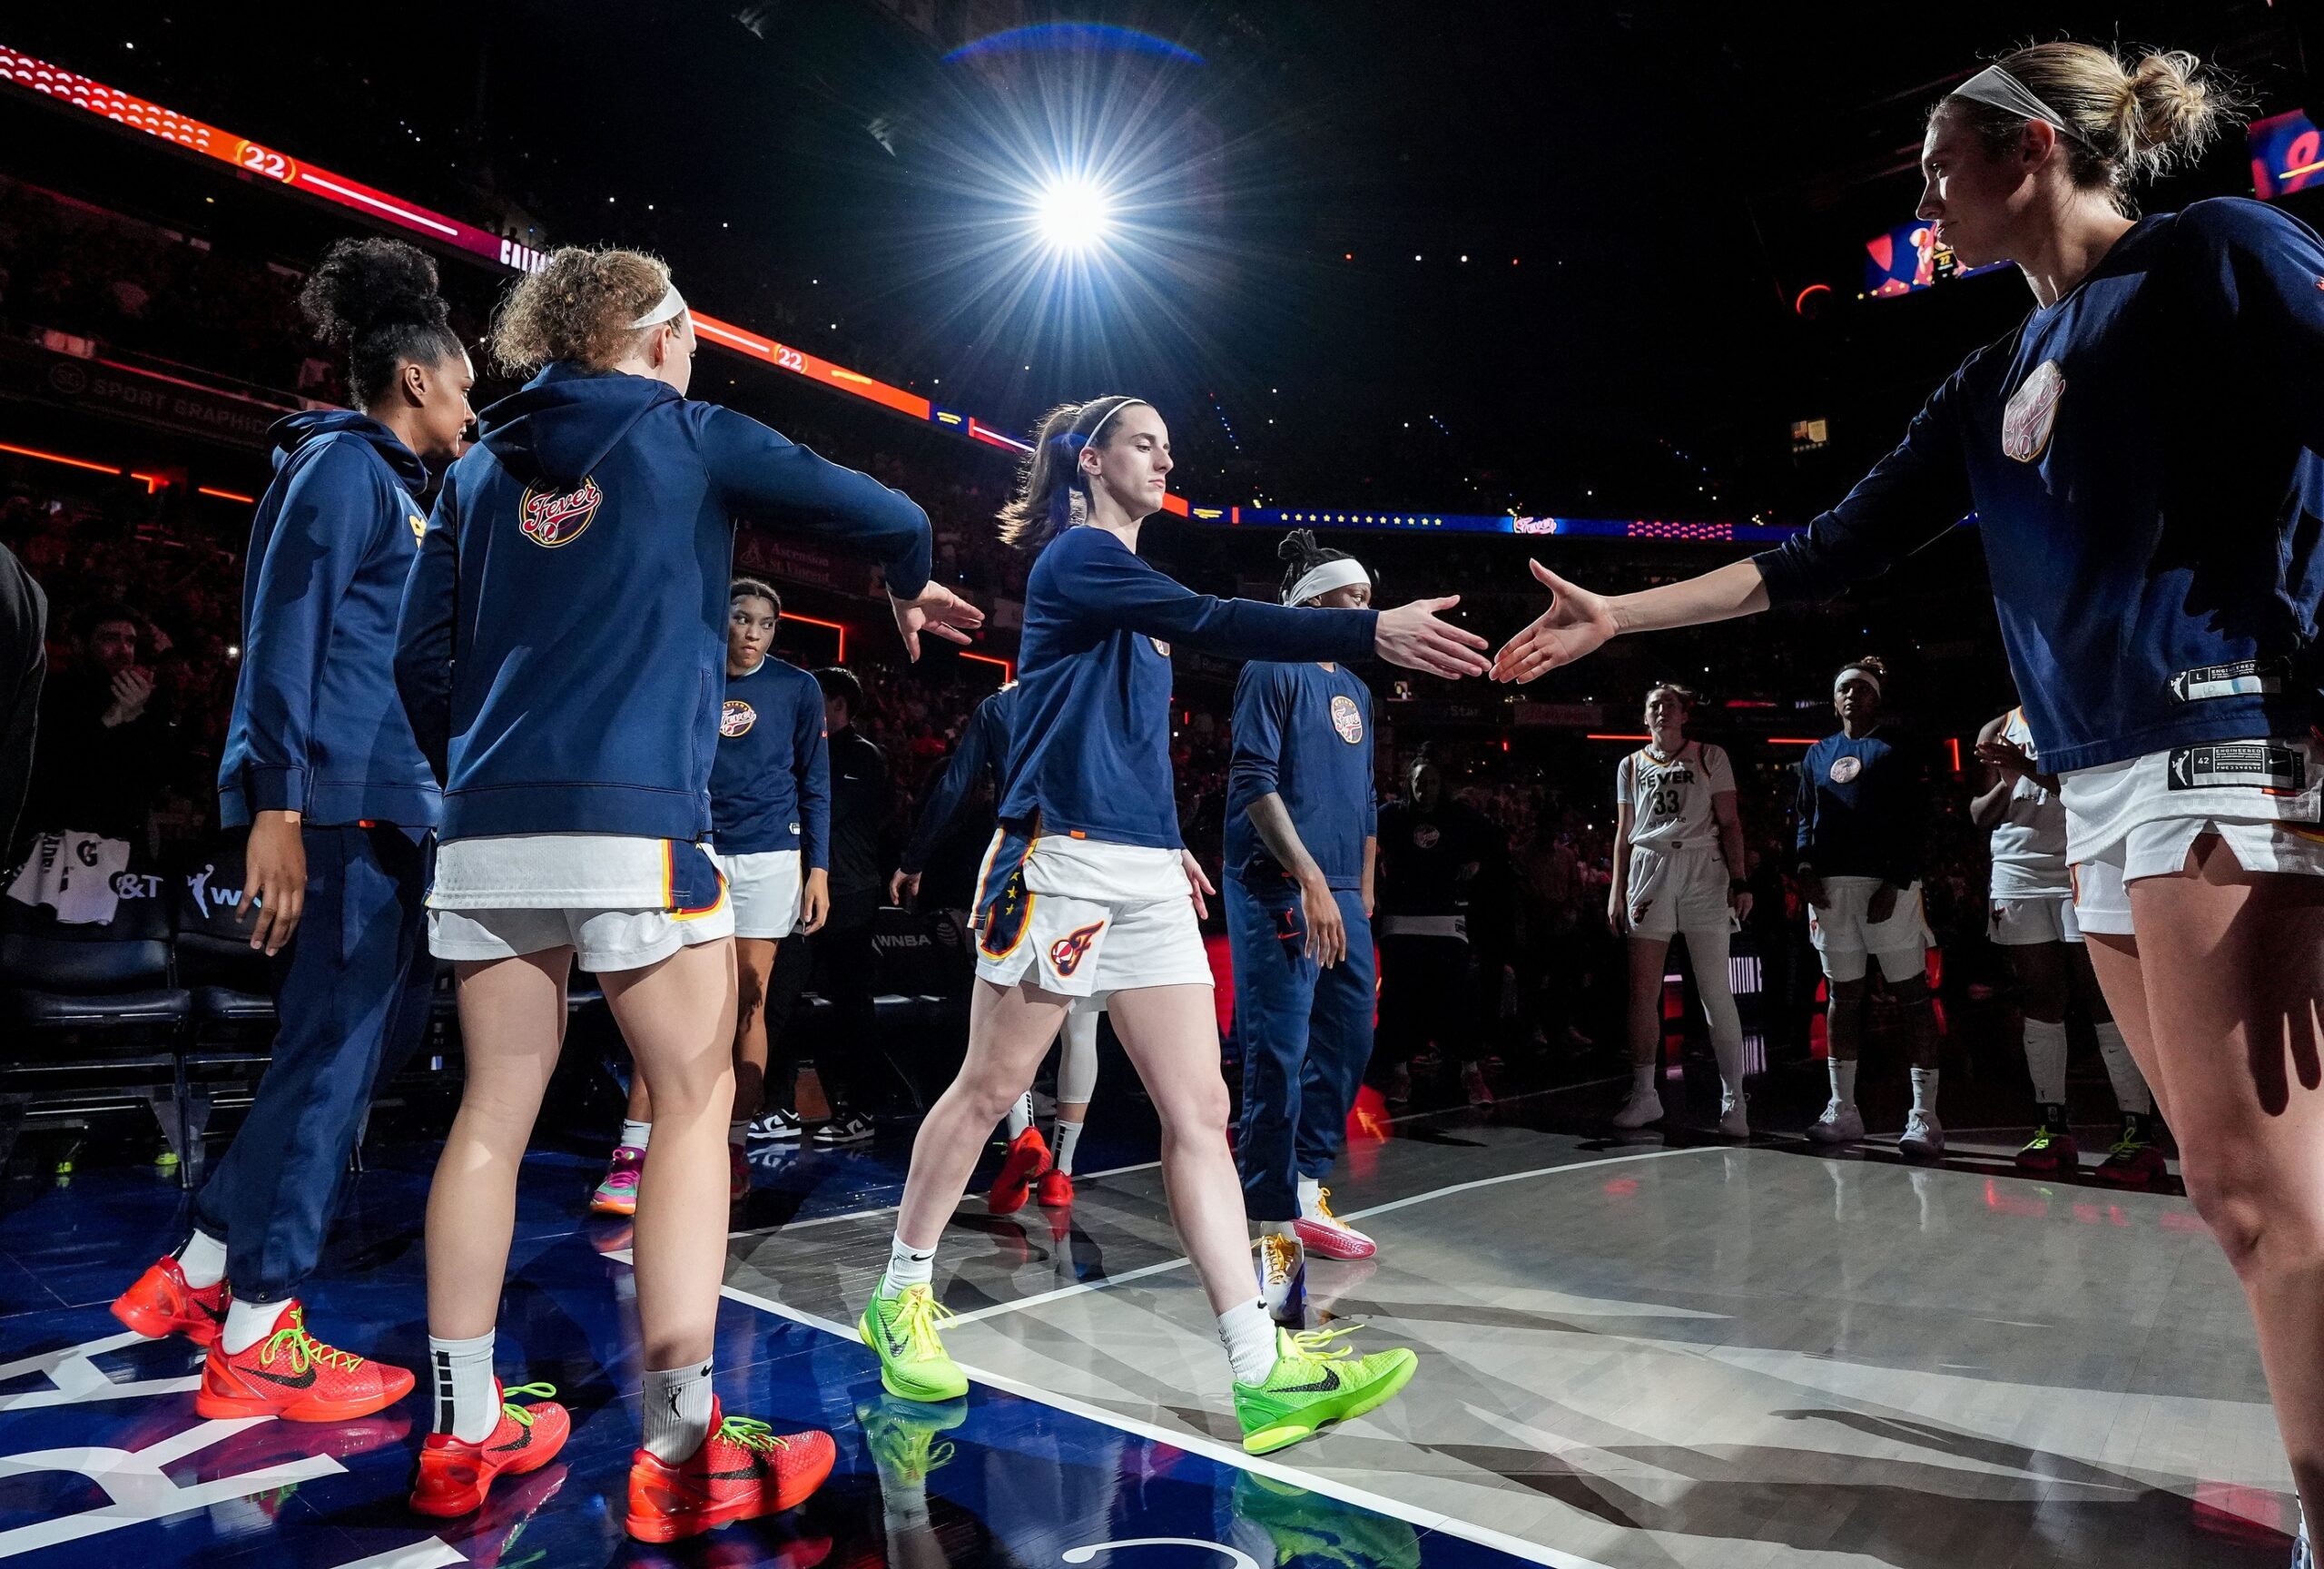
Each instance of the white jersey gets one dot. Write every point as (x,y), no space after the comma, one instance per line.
(2029,843)
(1670,797)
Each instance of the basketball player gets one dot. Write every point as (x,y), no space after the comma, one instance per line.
(1302,837)
(322,769)
(2139,454)
(560,650)
(1029,1164)
(770,824)
(2031,900)
(1086,892)
(1674,807)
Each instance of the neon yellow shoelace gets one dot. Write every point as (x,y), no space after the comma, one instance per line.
(1316,1345)
(521,1414)
(303,1349)
(751,1434)
(918,1313)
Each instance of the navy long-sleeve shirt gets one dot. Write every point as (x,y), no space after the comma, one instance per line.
(1090,753)
(1863,806)
(1305,734)
(318,727)
(978,759)
(771,787)
(2141,457)
(563,643)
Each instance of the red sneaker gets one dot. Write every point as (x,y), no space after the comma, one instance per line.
(292,1375)
(161,1302)
(742,1470)
(454,1477)
(2133,1163)
(1027,1159)
(1056,1190)
(738,1173)
(1327,1236)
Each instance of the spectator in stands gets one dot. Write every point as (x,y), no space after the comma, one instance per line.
(105,743)
(844,956)
(24,661)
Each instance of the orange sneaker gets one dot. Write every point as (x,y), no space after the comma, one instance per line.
(1056,1190)
(161,1302)
(292,1375)
(742,1470)
(454,1477)
(1027,1159)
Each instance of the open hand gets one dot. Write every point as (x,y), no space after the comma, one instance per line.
(1412,637)
(936,610)
(1571,628)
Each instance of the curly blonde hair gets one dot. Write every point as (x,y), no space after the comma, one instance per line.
(578,307)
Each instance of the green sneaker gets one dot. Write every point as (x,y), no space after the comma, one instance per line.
(901,1436)
(1311,1385)
(912,1365)
(1300,1525)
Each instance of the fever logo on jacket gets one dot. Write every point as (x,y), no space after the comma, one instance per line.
(554,519)
(419,526)
(1160,646)
(1347,718)
(1845,768)
(736,718)
(2032,411)
(1067,952)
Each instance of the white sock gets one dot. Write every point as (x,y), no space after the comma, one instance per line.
(248,1323)
(1843,1081)
(907,1265)
(678,1411)
(203,1259)
(1248,1335)
(1311,1197)
(1925,1090)
(1069,1134)
(1021,1114)
(738,1134)
(2131,1091)
(465,1406)
(633,1134)
(1642,1078)
(2045,1059)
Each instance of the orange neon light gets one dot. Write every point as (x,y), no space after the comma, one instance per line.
(818,621)
(153,481)
(1793,740)
(1595,737)
(60,458)
(1008,671)
(227,495)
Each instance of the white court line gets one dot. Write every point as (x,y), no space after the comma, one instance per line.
(1081,1287)
(1211,1449)
(1150,1165)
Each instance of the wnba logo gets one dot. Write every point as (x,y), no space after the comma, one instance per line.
(558,519)
(736,718)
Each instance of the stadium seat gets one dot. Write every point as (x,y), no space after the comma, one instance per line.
(95,1020)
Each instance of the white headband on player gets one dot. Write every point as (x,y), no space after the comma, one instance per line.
(1343,573)
(1871,677)
(1996,87)
(671,307)
(1106,419)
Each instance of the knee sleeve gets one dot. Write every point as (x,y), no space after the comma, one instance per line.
(1076,1068)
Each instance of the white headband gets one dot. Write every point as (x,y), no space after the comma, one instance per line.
(1839,680)
(1106,419)
(1996,87)
(673,305)
(1343,573)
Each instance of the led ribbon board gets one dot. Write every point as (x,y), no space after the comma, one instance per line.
(261,162)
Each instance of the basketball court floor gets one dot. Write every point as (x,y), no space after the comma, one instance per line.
(1636,1354)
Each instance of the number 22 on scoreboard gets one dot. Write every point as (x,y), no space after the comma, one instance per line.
(265,160)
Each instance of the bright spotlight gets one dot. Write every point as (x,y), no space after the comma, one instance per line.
(1073,214)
